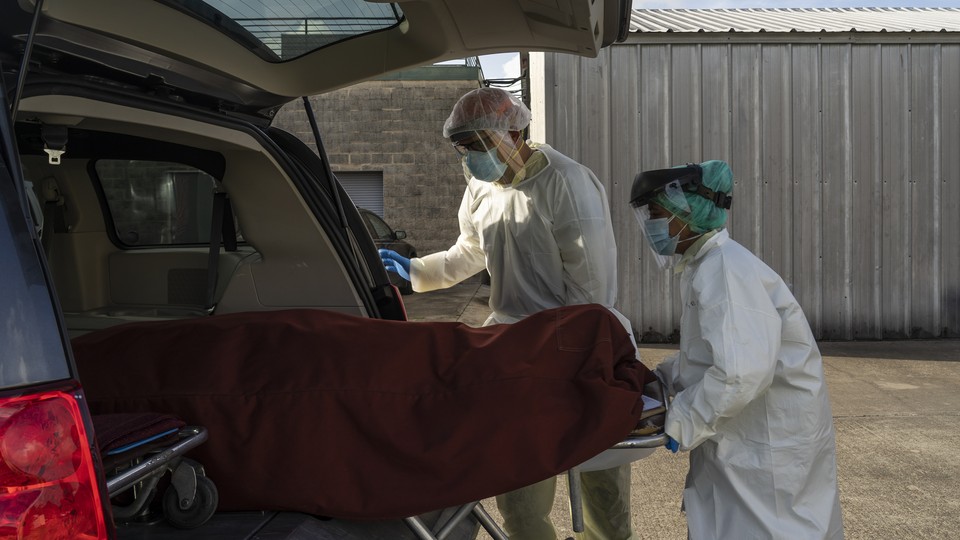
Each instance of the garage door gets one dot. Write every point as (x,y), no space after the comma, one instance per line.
(365,189)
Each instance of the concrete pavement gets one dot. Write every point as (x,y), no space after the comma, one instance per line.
(896,409)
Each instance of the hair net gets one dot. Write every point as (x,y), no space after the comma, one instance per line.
(487,108)
(704,215)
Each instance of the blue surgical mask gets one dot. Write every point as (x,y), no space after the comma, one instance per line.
(658,234)
(484,166)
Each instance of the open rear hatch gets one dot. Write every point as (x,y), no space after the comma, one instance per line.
(257,55)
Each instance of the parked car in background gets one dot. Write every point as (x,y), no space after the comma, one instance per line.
(141,180)
(386,237)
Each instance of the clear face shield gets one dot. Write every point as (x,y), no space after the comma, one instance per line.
(653,231)
(657,230)
(480,154)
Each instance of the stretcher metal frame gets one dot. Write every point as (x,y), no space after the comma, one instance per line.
(573,475)
(189,437)
(443,529)
(655,440)
(191,498)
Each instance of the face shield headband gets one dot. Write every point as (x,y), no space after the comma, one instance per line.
(673,184)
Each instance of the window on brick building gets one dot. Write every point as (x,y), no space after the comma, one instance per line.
(365,189)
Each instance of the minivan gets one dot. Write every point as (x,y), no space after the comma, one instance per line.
(142,181)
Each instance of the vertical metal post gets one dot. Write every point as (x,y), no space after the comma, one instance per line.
(576,499)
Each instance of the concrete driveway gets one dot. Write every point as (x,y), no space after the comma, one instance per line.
(896,410)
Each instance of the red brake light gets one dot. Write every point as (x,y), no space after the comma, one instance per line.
(48,484)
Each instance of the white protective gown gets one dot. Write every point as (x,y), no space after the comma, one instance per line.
(751,404)
(546,241)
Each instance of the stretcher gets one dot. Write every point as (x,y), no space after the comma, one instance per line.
(639,444)
(337,421)
(137,452)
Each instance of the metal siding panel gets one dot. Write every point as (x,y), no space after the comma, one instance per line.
(895,190)
(924,278)
(865,206)
(566,99)
(807,181)
(743,221)
(594,111)
(776,129)
(835,311)
(655,107)
(624,165)
(715,109)
(685,111)
(656,319)
(950,190)
(850,193)
(551,102)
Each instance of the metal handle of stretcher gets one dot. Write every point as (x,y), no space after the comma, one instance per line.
(190,437)
(633,441)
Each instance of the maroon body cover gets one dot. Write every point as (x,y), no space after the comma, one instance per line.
(360,418)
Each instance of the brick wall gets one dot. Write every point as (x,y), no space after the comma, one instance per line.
(394,126)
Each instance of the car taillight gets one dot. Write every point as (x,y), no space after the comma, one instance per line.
(48,483)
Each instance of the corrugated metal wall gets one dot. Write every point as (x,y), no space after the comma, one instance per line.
(845,149)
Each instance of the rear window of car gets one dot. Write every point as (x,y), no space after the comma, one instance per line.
(157,203)
(279,30)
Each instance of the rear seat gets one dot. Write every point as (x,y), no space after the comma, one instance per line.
(162,285)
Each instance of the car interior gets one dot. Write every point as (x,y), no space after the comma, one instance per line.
(284,258)
(114,253)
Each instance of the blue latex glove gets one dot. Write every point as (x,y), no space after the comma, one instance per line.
(672,444)
(396,263)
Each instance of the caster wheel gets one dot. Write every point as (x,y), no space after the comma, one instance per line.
(203,506)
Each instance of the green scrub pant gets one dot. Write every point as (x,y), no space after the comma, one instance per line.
(606,507)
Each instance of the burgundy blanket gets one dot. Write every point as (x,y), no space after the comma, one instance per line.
(360,418)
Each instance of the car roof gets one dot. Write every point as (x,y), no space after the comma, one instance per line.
(268,51)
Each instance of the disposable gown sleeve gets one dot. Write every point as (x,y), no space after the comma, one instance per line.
(462,260)
(742,332)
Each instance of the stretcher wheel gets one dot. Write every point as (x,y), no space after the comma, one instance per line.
(200,510)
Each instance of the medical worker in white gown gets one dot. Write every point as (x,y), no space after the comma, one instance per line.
(539,223)
(749,398)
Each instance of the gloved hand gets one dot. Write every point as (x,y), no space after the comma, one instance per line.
(672,444)
(396,263)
